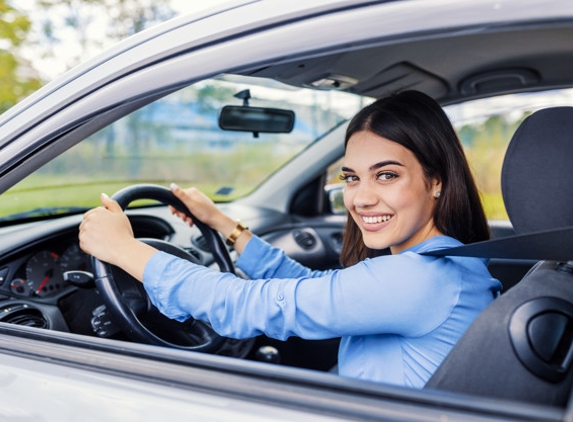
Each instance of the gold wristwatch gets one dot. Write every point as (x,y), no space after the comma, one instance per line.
(239,228)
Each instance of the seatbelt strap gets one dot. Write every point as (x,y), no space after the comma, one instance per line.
(554,245)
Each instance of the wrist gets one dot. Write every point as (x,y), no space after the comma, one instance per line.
(122,251)
(134,257)
(237,231)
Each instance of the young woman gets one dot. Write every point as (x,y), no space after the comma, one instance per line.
(408,190)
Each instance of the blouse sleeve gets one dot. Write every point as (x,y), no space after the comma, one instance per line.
(405,294)
(261,260)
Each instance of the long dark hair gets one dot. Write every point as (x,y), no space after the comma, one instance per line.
(418,123)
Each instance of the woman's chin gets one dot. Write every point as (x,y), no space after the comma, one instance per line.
(376,243)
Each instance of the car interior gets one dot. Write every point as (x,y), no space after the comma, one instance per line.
(47,282)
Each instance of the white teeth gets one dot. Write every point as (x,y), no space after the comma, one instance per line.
(377,219)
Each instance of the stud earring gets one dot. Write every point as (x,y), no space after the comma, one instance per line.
(437,194)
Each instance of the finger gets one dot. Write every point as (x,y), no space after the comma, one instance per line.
(176,212)
(178,192)
(87,215)
(110,204)
(183,217)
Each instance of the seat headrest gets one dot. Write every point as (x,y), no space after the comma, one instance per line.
(537,173)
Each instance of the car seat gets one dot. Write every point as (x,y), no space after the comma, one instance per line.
(521,346)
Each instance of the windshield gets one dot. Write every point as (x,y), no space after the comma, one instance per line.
(177,139)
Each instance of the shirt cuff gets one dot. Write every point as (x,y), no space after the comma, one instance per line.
(159,292)
(250,258)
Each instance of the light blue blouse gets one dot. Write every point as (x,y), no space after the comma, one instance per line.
(398,315)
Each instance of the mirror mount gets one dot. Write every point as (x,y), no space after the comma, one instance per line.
(244,95)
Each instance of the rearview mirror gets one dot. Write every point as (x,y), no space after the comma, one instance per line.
(256,119)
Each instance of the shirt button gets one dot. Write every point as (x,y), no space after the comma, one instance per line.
(280,297)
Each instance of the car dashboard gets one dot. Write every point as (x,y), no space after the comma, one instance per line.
(35,257)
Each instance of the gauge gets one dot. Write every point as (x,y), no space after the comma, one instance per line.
(74,259)
(20,287)
(43,274)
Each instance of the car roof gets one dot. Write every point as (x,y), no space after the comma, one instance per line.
(470,50)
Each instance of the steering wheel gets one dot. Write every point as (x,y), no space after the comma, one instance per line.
(127,301)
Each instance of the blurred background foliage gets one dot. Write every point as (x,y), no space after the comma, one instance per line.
(485,144)
(44,29)
(17,77)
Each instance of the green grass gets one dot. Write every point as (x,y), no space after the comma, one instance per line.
(21,199)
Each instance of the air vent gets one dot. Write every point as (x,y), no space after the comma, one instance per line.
(304,239)
(22,314)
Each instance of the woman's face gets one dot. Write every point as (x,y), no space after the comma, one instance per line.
(387,193)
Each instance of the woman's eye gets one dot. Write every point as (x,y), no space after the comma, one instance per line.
(386,176)
(347,178)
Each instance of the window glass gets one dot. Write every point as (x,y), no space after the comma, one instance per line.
(485,128)
(178,139)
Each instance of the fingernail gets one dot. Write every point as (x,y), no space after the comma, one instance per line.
(105,195)
(173,186)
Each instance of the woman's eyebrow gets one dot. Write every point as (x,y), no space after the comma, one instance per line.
(384,164)
(376,166)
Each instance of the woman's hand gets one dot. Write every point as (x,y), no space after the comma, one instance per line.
(205,210)
(106,233)
(201,206)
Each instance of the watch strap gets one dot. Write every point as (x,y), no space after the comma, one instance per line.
(239,228)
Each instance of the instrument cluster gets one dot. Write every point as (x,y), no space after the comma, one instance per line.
(43,273)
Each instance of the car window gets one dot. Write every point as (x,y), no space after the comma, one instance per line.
(486,126)
(177,139)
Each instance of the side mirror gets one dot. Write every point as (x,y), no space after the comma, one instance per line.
(335,193)
(256,119)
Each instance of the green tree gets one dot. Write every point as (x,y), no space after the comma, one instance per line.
(17,77)
(87,27)
(91,25)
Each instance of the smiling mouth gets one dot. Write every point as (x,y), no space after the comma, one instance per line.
(376,219)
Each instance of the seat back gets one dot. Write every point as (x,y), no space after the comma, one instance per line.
(521,346)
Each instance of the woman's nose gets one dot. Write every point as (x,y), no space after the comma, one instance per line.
(364,196)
